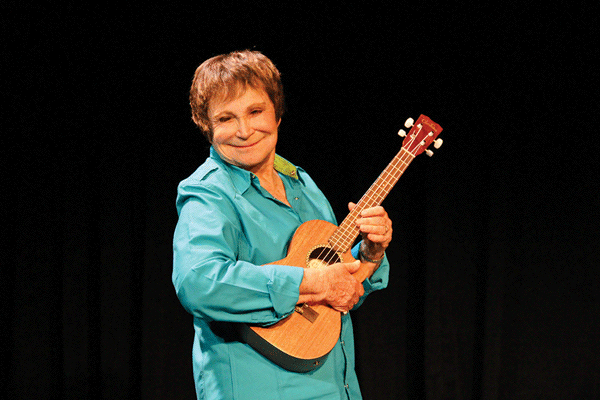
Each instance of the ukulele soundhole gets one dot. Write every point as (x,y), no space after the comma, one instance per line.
(322,256)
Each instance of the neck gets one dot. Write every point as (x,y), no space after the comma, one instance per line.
(265,171)
(272,183)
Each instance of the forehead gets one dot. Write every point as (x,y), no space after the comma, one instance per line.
(236,97)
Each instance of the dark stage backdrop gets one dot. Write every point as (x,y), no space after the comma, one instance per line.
(494,291)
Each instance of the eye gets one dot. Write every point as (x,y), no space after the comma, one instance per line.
(256,111)
(223,119)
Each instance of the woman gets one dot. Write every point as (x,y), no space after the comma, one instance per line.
(237,212)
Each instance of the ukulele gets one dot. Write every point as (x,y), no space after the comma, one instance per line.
(302,341)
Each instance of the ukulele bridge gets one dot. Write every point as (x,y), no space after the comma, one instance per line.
(307,312)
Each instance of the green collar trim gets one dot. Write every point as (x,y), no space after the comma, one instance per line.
(285,167)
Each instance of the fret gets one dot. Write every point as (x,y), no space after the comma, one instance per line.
(347,232)
(421,135)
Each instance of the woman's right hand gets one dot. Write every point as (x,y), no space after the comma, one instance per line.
(333,285)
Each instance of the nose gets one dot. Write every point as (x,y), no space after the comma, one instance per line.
(245,129)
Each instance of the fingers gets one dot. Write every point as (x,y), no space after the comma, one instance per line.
(369,212)
(373,212)
(376,216)
(375,224)
(343,290)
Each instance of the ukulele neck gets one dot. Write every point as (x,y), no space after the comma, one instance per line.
(345,235)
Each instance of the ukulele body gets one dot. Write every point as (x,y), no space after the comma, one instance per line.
(302,341)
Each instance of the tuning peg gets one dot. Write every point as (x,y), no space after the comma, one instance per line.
(402,133)
(409,122)
(429,152)
(437,143)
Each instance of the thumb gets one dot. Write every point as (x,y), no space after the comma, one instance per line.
(353,266)
(351,206)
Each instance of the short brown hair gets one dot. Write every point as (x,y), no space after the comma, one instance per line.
(226,76)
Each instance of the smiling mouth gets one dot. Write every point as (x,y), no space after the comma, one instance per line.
(245,146)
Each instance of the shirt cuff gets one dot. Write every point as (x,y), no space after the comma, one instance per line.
(284,288)
(379,279)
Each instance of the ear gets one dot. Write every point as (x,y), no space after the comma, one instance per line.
(278,122)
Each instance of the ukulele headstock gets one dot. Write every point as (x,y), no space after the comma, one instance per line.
(422,134)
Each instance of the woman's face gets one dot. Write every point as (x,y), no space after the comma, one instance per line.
(245,130)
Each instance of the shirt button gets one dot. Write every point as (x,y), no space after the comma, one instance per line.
(295,198)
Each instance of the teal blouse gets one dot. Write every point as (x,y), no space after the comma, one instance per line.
(228,228)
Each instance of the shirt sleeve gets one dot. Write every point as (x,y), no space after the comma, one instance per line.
(209,279)
(377,281)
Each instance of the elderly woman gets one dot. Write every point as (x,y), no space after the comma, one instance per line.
(237,212)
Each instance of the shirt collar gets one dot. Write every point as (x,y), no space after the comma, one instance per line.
(242,178)
(285,167)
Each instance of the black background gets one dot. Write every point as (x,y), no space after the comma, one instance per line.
(494,290)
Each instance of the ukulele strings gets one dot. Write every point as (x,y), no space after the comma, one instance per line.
(403,158)
(370,198)
(378,191)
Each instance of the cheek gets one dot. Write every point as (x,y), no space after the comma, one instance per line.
(267,124)
(219,137)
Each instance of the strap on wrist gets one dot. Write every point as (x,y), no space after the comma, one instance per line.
(367,259)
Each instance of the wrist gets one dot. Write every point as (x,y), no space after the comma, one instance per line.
(370,258)
(312,286)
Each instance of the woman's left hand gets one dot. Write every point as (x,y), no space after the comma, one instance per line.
(376,229)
